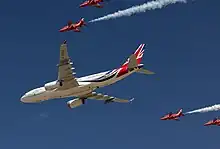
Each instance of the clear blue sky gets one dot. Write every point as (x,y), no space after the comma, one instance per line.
(183,49)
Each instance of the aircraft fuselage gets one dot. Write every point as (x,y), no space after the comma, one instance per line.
(87,84)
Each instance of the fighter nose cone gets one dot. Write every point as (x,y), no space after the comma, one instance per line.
(162,118)
(207,124)
(61,30)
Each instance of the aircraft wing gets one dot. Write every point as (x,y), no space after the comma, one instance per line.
(65,70)
(107,98)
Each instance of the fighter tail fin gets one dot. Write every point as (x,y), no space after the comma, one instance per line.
(69,23)
(83,22)
(180,112)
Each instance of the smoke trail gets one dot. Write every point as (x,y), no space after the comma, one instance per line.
(206,109)
(138,9)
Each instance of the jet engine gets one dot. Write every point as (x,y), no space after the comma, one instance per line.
(75,103)
(52,85)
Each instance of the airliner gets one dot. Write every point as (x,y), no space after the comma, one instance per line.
(83,88)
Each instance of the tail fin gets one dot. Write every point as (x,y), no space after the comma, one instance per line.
(69,23)
(99,6)
(134,61)
(83,22)
(180,112)
(136,57)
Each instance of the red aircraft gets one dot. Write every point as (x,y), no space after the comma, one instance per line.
(215,121)
(74,27)
(95,3)
(173,116)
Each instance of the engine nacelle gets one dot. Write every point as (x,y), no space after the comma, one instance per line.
(52,85)
(75,103)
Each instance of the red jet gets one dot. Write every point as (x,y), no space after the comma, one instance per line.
(74,27)
(95,3)
(173,116)
(215,121)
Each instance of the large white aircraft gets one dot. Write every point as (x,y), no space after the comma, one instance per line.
(67,85)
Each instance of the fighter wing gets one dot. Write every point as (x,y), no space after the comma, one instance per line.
(76,30)
(107,98)
(65,73)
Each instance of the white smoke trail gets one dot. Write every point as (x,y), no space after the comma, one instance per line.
(206,109)
(138,9)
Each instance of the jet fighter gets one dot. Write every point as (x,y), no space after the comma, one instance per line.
(173,116)
(95,3)
(215,121)
(73,27)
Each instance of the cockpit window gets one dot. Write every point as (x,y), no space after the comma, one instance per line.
(38,91)
(34,92)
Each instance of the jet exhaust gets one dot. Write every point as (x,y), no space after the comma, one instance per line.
(206,109)
(157,4)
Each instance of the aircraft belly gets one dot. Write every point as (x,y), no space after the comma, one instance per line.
(76,91)
(40,97)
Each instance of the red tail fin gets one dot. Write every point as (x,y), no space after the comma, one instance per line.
(82,22)
(180,112)
(138,55)
(69,23)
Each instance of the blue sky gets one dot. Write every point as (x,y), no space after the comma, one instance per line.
(183,49)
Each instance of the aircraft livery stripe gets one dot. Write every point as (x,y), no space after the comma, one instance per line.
(103,78)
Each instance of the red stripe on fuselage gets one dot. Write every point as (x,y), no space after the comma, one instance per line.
(122,71)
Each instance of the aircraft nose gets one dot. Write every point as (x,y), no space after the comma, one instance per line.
(61,30)
(162,118)
(207,124)
(22,99)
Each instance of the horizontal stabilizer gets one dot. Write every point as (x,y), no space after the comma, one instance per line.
(145,71)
